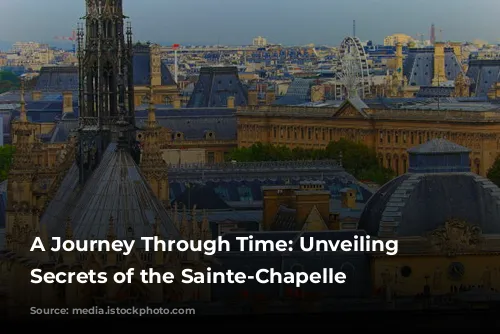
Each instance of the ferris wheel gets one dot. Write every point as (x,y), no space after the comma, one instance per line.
(352,55)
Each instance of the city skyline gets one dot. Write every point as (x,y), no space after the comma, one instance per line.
(215,22)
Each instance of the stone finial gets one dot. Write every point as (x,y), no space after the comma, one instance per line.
(205,227)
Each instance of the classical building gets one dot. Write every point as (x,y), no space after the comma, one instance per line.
(94,189)
(445,220)
(390,126)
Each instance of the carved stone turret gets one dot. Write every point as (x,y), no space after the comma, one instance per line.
(462,85)
(153,167)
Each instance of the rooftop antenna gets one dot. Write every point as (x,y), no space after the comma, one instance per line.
(354,28)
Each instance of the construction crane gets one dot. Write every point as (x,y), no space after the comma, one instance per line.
(71,38)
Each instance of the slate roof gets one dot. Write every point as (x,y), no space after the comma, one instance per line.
(415,204)
(438,146)
(65,78)
(215,85)
(241,186)
(116,189)
(483,73)
(298,92)
(142,68)
(418,66)
(193,123)
(57,78)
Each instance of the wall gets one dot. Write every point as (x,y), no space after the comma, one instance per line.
(434,270)
(188,156)
(390,135)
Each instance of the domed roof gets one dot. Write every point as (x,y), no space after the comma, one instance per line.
(415,204)
(439,187)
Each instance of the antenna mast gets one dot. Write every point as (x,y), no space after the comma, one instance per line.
(354,28)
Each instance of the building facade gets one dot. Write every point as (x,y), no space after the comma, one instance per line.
(390,130)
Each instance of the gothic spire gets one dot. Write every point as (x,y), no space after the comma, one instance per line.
(151,109)
(22,116)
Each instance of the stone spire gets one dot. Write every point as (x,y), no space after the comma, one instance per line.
(22,116)
(153,167)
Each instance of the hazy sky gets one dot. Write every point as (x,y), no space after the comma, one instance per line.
(281,21)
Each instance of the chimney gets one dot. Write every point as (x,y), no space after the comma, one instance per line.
(253,98)
(177,102)
(274,197)
(67,102)
(334,222)
(270,97)
(230,102)
(399,60)
(457,50)
(306,200)
(36,95)
(439,65)
(155,55)
(348,197)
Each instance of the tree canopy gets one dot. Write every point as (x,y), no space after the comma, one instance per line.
(8,81)
(357,158)
(6,154)
(494,172)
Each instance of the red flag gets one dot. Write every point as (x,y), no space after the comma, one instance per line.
(176,46)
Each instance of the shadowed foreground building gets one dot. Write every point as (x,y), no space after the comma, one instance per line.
(445,218)
(96,189)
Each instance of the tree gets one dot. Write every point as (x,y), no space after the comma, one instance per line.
(494,172)
(357,158)
(6,155)
(8,81)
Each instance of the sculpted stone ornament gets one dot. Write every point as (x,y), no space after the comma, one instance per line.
(456,237)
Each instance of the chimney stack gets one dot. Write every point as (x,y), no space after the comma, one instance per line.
(348,198)
(439,65)
(457,50)
(253,98)
(177,102)
(36,95)
(399,60)
(230,102)
(67,102)
(270,97)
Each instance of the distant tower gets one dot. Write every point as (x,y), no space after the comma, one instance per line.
(106,82)
(433,34)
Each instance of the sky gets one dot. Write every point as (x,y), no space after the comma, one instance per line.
(236,22)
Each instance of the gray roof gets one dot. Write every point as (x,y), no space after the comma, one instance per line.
(415,204)
(483,73)
(298,92)
(438,146)
(116,189)
(142,68)
(419,66)
(193,123)
(215,85)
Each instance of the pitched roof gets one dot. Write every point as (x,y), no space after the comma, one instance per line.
(116,189)
(438,146)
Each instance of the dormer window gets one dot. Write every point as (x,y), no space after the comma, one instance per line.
(178,136)
(209,135)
